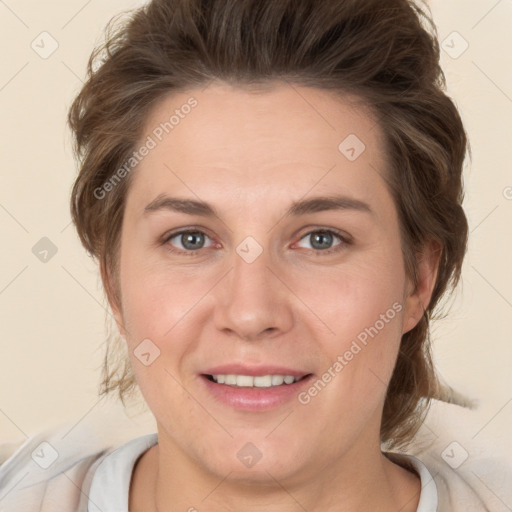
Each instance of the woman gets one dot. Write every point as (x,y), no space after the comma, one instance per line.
(273,193)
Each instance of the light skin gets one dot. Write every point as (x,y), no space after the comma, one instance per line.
(251,156)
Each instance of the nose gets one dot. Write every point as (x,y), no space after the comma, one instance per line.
(252,301)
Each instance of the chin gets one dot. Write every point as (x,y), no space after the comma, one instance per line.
(258,461)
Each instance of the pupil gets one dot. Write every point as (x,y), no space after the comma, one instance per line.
(322,240)
(192,240)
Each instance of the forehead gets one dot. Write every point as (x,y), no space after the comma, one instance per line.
(233,137)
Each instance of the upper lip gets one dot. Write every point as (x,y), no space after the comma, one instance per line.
(253,371)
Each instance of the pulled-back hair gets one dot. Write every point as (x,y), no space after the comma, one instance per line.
(384,52)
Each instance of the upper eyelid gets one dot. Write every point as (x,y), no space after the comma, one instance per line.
(174,234)
(342,235)
(171,234)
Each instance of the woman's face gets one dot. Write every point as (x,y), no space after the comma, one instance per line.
(292,267)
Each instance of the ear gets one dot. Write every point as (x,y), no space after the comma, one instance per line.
(113,298)
(418,297)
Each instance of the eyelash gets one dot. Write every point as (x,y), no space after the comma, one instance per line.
(344,241)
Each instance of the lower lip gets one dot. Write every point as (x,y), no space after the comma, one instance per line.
(255,399)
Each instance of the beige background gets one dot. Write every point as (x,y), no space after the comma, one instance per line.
(52,313)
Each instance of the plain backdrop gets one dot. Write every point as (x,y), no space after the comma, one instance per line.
(52,308)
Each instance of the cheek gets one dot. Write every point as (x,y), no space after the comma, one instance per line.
(362,309)
(165,306)
(156,297)
(157,306)
(358,359)
(355,297)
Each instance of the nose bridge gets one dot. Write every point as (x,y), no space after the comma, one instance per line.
(252,301)
(250,275)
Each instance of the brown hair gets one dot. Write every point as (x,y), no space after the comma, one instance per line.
(385,53)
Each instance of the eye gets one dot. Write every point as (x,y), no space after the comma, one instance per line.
(190,240)
(321,240)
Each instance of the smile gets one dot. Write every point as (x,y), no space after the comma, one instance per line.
(254,393)
(249,381)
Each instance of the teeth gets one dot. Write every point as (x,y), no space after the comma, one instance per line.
(265,381)
(277,380)
(261,381)
(244,381)
(230,379)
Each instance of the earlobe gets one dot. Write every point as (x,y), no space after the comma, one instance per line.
(112,297)
(418,297)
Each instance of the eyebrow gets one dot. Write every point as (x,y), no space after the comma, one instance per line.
(302,207)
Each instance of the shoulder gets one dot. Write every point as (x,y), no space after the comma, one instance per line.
(46,470)
(471,470)
(53,470)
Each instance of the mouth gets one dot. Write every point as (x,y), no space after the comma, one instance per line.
(254,389)
(258,381)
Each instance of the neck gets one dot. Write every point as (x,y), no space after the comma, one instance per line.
(165,479)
